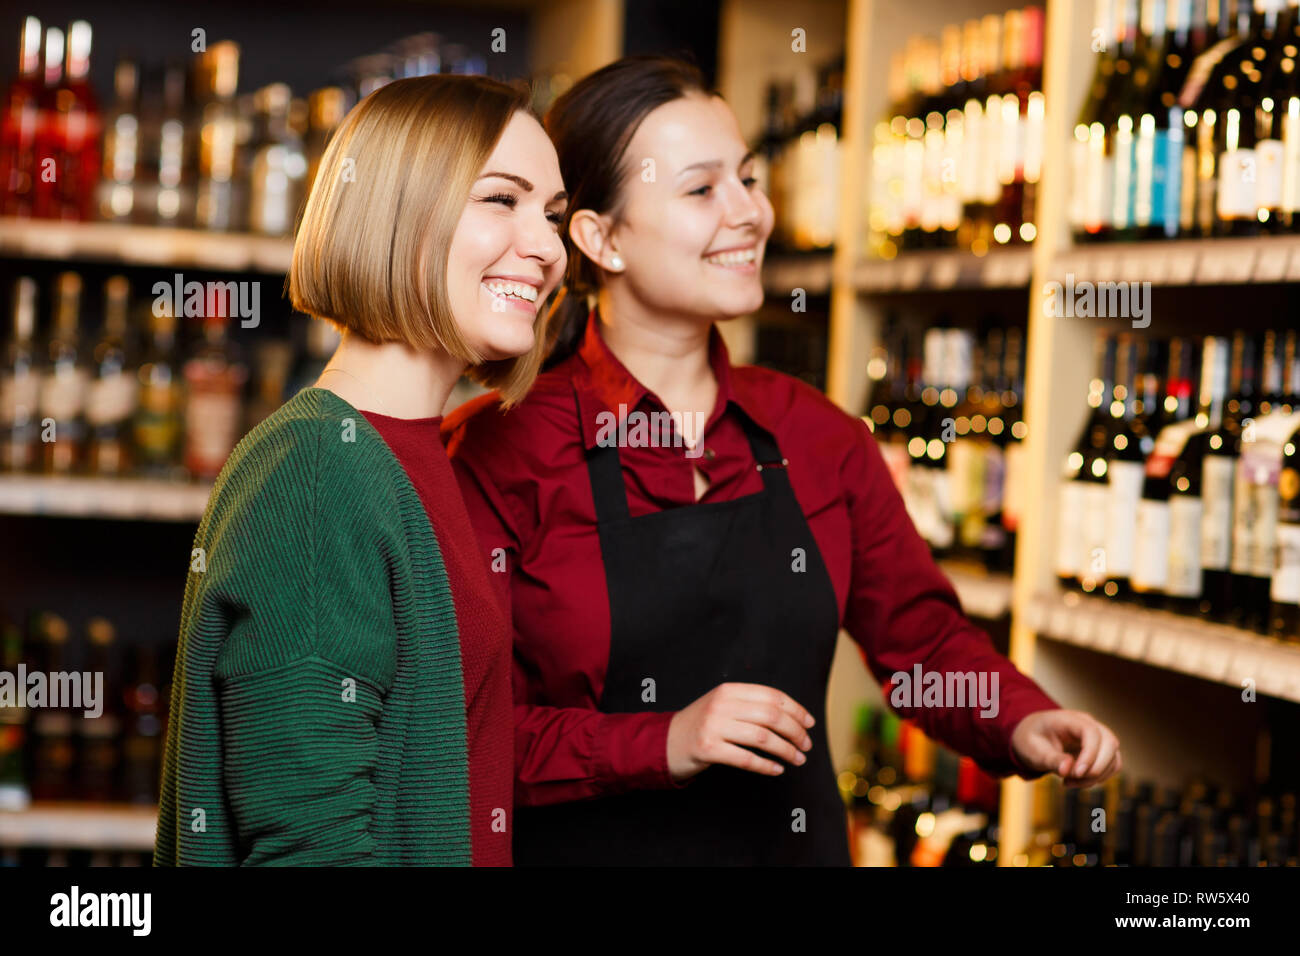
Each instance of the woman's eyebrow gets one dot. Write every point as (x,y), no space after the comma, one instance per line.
(717,163)
(524,184)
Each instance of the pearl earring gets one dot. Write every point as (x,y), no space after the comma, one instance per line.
(616,261)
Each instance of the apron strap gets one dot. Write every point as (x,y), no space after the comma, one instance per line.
(606,471)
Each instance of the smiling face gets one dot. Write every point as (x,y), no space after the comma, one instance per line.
(506,254)
(692,239)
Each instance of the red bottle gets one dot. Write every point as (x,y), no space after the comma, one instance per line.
(68,131)
(18,125)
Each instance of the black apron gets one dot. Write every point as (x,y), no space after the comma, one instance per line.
(702,595)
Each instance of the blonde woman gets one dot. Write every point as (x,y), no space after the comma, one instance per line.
(343,676)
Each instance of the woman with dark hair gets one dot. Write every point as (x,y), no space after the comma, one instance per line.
(343,676)
(681,540)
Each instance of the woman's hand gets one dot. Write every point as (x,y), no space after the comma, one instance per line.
(711,729)
(1076,745)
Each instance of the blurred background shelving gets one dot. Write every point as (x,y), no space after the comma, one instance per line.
(907,278)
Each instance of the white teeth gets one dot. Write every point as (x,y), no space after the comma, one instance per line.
(740,258)
(517,290)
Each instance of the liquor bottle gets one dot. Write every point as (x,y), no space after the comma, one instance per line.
(52,751)
(20,385)
(169,163)
(327,106)
(990,422)
(1012,437)
(1090,173)
(1084,493)
(279,166)
(112,394)
(1151,555)
(1022,126)
(1158,154)
(1218,479)
(214,379)
(928,473)
(142,743)
(1190,481)
(14,720)
(157,426)
(1143,17)
(1257,497)
(1125,472)
(68,138)
(18,168)
(63,383)
(1284,591)
(979,106)
(117,187)
(99,757)
(1204,99)
(966,449)
(219,196)
(1282,85)
(1239,98)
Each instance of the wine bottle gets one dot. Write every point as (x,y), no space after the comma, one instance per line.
(64,382)
(1151,553)
(1134,100)
(20,385)
(1082,502)
(1188,486)
(1158,154)
(111,394)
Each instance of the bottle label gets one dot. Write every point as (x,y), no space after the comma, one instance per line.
(1216,521)
(1151,547)
(1070,517)
(1094,562)
(211,430)
(1238,180)
(1285,588)
(1169,445)
(1122,208)
(1255,509)
(111,398)
(1098,185)
(1125,485)
(63,392)
(1291,156)
(1185,520)
(1150,156)
(1270,162)
(19,395)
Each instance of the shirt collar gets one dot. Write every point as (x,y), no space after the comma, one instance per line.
(603,383)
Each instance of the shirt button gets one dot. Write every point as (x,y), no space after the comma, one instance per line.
(710,454)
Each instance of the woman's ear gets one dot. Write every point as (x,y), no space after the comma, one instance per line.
(591,233)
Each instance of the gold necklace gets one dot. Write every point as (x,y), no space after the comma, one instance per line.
(368,390)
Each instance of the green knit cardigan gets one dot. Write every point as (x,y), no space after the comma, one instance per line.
(317,712)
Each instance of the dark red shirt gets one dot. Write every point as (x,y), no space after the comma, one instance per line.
(524,476)
(484,633)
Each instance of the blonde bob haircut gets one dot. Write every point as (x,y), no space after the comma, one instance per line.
(370,254)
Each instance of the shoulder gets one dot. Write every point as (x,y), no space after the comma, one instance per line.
(485,434)
(798,409)
(311,448)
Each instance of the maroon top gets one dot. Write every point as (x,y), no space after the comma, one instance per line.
(525,481)
(484,632)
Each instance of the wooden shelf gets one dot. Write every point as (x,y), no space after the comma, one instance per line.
(89,826)
(143,245)
(782,273)
(944,269)
(1184,261)
(1189,645)
(113,498)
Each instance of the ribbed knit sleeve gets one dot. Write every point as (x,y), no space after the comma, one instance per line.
(301,684)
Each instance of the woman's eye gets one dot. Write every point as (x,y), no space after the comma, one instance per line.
(702,191)
(504,198)
(556,219)
(749,181)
